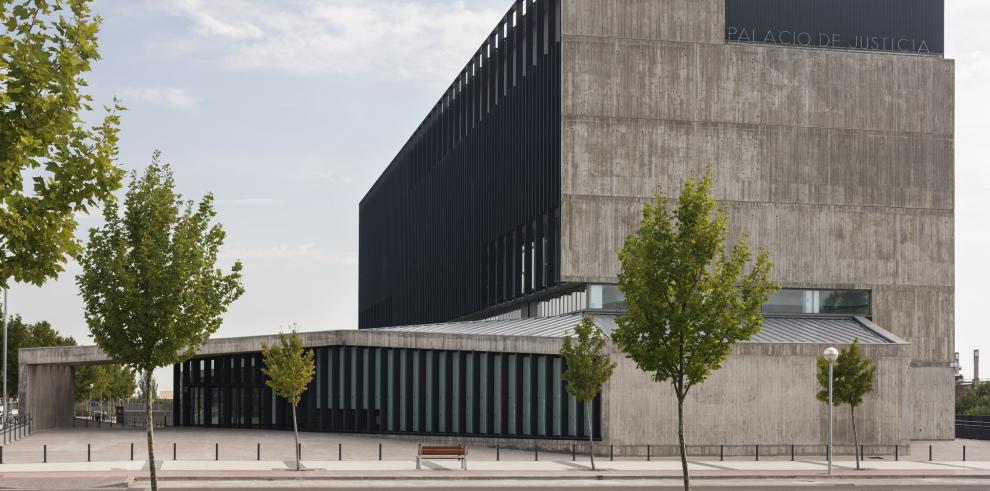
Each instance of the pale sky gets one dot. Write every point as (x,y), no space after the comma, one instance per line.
(288,111)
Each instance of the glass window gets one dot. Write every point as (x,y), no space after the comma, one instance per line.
(403,391)
(430,391)
(499,388)
(527,391)
(555,388)
(844,302)
(483,393)
(605,297)
(319,378)
(443,390)
(417,380)
(256,407)
(511,392)
(541,401)
(391,391)
(455,393)
(470,392)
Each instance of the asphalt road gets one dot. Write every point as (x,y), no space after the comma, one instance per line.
(513,485)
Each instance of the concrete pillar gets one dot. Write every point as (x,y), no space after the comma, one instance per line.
(46,393)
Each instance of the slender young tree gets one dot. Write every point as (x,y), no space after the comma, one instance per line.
(289,368)
(688,295)
(151,286)
(852,379)
(588,367)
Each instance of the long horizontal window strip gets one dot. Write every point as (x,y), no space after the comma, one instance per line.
(364,389)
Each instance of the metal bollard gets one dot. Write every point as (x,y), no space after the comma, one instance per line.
(89,454)
(498,452)
(536,453)
(721,453)
(45,450)
(862,452)
(611,452)
(757,453)
(173,451)
(647,453)
(897,452)
(216,450)
(340,451)
(792,453)
(259,450)
(379,452)
(132,450)
(299,450)
(964,453)
(1,454)
(929,453)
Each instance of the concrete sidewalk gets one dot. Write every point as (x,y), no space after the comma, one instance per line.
(487,469)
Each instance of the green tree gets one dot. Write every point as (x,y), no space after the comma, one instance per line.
(21,334)
(152,391)
(289,368)
(688,296)
(852,379)
(151,286)
(976,402)
(53,165)
(588,367)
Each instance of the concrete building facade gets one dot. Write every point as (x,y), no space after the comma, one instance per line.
(839,162)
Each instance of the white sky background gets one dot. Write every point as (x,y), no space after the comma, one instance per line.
(288,111)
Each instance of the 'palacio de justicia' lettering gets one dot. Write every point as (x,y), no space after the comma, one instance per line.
(826,40)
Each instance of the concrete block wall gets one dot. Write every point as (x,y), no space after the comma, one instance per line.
(839,163)
(765,394)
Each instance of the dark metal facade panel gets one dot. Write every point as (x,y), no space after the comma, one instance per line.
(392,391)
(466,215)
(912,26)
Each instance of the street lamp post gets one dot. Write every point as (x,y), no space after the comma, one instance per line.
(831,354)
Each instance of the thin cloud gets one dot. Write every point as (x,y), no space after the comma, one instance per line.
(173,97)
(251,201)
(404,39)
(305,253)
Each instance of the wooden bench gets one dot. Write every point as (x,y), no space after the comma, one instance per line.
(442,452)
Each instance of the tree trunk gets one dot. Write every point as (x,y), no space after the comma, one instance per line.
(591,434)
(295,431)
(149,414)
(680,442)
(852,411)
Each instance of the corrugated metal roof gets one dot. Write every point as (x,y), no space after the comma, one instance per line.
(776,329)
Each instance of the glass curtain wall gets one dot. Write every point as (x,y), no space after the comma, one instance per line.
(392,390)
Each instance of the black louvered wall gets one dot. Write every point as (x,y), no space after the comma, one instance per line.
(465,217)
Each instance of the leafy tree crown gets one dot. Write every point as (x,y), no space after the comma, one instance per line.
(288,366)
(688,296)
(587,364)
(852,376)
(52,165)
(152,291)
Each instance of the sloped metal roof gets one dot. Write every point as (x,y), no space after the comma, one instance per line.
(776,329)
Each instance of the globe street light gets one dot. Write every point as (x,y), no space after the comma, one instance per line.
(831,354)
